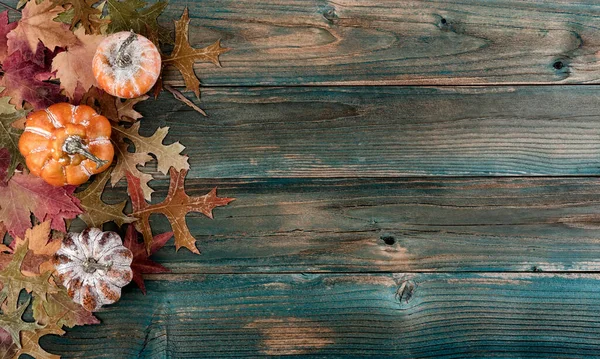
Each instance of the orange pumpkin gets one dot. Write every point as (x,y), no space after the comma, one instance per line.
(66,144)
(126,64)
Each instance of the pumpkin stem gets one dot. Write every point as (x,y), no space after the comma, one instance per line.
(123,58)
(74,145)
(90,265)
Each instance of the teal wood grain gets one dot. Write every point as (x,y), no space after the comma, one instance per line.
(358,225)
(291,42)
(371,42)
(385,131)
(373,315)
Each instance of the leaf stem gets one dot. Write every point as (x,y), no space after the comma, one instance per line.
(10,7)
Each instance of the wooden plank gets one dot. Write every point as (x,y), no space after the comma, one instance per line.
(375,315)
(358,225)
(435,42)
(386,131)
(299,42)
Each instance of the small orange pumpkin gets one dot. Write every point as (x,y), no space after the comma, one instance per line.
(66,144)
(126,64)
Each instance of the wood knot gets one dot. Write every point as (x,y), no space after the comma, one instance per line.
(405,291)
(444,24)
(329,14)
(388,239)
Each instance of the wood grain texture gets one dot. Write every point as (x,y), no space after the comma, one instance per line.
(374,315)
(358,225)
(385,131)
(299,42)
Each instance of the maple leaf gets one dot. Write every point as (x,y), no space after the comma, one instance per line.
(166,155)
(25,194)
(132,15)
(41,249)
(74,65)
(9,138)
(83,12)
(61,310)
(25,77)
(5,28)
(36,25)
(175,207)
(11,320)
(96,211)
(184,55)
(31,346)
(141,263)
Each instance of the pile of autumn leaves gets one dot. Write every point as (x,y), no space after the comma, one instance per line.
(46,58)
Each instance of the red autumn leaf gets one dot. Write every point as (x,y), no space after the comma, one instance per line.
(25,77)
(25,194)
(142,264)
(5,28)
(175,207)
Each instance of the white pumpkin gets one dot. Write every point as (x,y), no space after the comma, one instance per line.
(94,266)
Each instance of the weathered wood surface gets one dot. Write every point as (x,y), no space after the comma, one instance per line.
(386,131)
(376,315)
(358,225)
(299,42)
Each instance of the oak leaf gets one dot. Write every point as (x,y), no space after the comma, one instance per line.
(61,310)
(133,15)
(111,107)
(14,280)
(37,25)
(128,162)
(175,207)
(125,110)
(30,341)
(74,65)
(166,155)
(11,320)
(25,194)
(141,263)
(25,78)
(96,211)
(81,12)
(184,55)
(5,28)
(9,139)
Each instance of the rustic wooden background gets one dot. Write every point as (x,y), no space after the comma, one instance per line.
(414,179)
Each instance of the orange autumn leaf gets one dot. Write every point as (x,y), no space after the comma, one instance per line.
(74,65)
(175,207)
(184,55)
(41,249)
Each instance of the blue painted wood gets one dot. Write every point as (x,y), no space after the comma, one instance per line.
(385,131)
(372,315)
(362,225)
(370,42)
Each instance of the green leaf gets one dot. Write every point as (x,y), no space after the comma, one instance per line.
(12,322)
(135,16)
